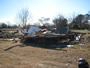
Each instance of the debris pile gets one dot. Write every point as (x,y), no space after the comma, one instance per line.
(46,36)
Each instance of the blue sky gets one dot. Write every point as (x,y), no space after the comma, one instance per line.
(42,8)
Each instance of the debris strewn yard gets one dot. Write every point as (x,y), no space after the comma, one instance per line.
(14,54)
(17,55)
(51,35)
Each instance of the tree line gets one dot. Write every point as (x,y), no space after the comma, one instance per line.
(81,21)
(4,25)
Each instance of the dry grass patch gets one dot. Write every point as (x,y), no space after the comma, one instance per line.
(14,55)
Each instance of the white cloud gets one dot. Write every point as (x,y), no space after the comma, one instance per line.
(11,21)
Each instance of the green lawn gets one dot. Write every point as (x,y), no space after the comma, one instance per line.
(4,41)
(81,31)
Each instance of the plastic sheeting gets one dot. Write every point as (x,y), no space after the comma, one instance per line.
(32,30)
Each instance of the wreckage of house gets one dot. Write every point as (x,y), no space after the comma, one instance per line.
(43,36)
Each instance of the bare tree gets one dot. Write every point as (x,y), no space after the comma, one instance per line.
(23,17)
(44,20)
(72,17)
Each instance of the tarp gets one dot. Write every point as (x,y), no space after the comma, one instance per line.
(32,30)
(63,30)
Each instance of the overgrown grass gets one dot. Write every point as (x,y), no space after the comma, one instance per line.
(9,29)
(4,41)
(81,47)
(76,47)
(81,31)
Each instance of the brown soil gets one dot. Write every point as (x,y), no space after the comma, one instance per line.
(14,55)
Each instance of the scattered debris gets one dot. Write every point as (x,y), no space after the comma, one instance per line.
(32,31)
(67,65)
(69,45)
(46,36)
(82,63)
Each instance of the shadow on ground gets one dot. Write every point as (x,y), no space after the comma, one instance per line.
(13,47)
(53,47)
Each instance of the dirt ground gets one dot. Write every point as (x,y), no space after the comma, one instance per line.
(15,55)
